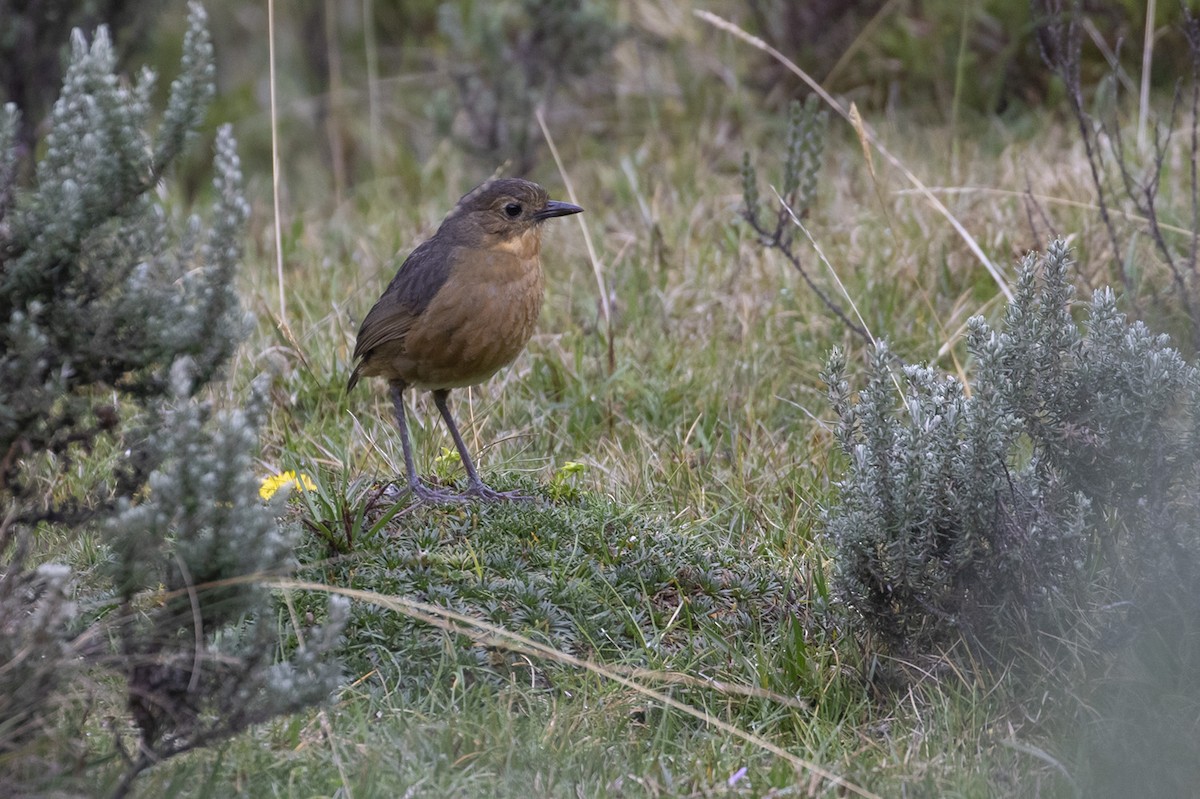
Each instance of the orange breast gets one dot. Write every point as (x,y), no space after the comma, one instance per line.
(479,321)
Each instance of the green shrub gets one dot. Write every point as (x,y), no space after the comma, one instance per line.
(114,316)
(1055,499)
(774,222)
(33,48)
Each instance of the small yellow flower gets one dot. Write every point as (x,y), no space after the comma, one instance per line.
(448,457)
(446,464)
(272,484)
(562,484)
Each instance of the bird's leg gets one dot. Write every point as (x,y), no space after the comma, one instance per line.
(475,486)
(419,489)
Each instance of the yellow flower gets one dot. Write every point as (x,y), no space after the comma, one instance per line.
(448,456)
(272,484)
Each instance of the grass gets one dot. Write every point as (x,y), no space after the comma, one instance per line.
(687,542)
(705,444)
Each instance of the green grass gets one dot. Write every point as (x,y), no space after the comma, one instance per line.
(703,454)
(689,542)
(703,450)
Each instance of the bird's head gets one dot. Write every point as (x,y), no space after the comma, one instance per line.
(502,210)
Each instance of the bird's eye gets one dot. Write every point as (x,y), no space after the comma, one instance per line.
(513,210)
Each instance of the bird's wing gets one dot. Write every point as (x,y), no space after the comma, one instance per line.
(389,320)
(408,295)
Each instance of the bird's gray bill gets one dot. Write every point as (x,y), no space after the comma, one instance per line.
(555,208)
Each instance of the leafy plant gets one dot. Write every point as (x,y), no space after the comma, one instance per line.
(1131,177)
(348,514)
(797,194)
(563,485)
(1059,488)
(114,317)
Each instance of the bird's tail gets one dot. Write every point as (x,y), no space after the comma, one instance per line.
(353,381)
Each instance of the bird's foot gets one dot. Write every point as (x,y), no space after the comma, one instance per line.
(488,494)
(434,496)
(478,491)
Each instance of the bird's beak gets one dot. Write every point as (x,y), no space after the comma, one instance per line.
(555,208)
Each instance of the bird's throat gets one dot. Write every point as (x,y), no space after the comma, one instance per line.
(524,245)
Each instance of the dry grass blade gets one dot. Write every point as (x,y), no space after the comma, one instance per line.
(860,129)
(1147,60)
(1048,200)
(597,267)
(864,140)
(754,41)
(277,224)
(491,635)
(821,255)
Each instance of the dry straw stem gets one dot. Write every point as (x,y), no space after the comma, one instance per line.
(720,686)
(821,255)
(490,635)
(838,280)
(281,323)
(1147,59)
(1048,200)
(754,41)
(597,266)
(864,141)
(278,226)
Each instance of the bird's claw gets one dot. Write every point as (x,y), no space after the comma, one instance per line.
(433,496)
(487,494)
(480,492)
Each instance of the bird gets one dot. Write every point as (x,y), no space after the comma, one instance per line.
(461,307)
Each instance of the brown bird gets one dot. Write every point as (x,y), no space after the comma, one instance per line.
(461,307)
